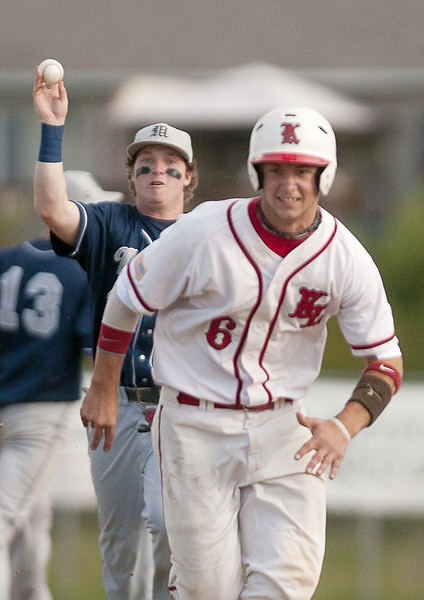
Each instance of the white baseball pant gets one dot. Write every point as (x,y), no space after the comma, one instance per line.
(244,520)
(32,438)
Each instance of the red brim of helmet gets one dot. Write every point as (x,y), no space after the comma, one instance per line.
(285,157)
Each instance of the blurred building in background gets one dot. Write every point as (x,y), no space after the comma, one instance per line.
(214,68)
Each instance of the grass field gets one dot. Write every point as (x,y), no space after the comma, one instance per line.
(365,560)
(373,560)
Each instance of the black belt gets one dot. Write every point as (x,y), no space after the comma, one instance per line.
(146,395)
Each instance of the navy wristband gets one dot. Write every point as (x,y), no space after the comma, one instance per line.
(51,143)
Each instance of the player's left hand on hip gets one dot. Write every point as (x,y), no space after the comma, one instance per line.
(328,442)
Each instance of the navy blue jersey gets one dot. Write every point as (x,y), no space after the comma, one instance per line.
(44,324)
(110,235)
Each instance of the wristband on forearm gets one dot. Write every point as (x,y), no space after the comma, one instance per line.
(114,341)
(373,393)
(342,428)
(51,143)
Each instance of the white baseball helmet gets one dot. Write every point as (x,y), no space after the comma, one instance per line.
(294,134)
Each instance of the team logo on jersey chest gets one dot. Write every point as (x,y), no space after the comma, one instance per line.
(307,307)
(123,256)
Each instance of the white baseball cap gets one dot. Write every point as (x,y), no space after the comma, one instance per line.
(165,135)
(82,187)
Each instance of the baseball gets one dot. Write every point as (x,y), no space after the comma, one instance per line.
(51,70)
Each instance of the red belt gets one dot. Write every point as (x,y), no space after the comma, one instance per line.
(192,401)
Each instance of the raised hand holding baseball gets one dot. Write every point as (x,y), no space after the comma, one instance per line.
(50,99)
(51,71)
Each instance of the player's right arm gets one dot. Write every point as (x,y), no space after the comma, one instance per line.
(99,409)
(50,197)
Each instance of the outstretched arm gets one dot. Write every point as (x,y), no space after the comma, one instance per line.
(330,437)
(50,197)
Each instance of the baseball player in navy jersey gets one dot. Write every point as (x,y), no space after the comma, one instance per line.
(117,521)
(245,290)
(81,186)
(104,238)
(44,329)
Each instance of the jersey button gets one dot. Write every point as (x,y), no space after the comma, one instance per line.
(142,357)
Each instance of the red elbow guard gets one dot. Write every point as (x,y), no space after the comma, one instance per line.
(386,369)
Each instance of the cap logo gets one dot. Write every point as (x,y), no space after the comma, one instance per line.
(159,131)
(288,133)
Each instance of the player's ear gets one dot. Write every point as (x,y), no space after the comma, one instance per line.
(132,174)
(188,176)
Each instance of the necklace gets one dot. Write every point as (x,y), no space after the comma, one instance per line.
(298,235)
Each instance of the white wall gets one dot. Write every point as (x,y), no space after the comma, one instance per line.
(382,474)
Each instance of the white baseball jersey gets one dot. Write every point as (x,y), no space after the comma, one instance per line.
(233,311)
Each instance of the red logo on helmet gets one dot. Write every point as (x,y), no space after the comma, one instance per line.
(289,134)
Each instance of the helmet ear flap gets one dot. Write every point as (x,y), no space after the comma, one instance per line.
(319,172)
(327,178)
(260,174)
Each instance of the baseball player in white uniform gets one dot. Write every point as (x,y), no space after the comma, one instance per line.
(243,290)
